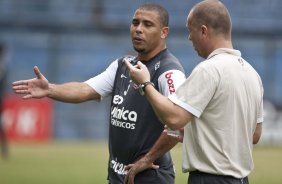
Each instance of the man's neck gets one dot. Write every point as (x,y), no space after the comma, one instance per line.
(149,56)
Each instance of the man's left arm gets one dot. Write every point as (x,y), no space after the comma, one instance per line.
(168,82)
(161,146)
(257,133)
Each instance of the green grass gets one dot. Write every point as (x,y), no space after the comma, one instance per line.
(86,162)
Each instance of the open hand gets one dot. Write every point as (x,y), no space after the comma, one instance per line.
(32,88)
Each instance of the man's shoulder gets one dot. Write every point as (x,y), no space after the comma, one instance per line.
(170,62)
(167,55)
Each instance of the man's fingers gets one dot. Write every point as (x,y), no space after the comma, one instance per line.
(22,91)
(129,178)
(129,65)
(26,97)
(37,72)
(128,167)
(20,87)
(18,83)
(22,83)
(141,65)
(125,179)
(130,175)
(133,67)
(155,166)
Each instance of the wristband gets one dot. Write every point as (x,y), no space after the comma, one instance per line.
(142,87)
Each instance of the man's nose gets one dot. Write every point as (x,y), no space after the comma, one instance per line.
(139,28)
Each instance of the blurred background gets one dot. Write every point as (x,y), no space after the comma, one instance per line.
(73,40)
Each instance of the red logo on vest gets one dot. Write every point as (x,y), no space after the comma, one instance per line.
(170,82)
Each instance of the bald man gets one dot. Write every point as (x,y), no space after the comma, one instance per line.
(219,105)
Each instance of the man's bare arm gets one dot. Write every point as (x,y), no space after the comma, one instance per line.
(162,146)
(39,87)
(174,116)
(257,133)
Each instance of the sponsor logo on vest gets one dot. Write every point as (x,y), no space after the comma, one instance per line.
(123,76)
(157,65)
(117,99)
(124,114)
(118,168)
(121,117)
(170,82)
(125,92)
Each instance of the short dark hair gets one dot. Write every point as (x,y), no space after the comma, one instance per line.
(162,12)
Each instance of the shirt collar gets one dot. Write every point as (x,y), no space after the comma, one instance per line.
(224,50)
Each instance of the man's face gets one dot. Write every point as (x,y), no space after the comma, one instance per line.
(146,31)
(195,36)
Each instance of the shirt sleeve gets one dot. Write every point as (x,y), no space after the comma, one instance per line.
(104,82)
(169,81)
(196,92)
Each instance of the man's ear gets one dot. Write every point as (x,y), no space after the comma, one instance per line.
(204,30)
(164,33)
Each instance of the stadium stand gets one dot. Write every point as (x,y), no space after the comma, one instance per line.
(74,40)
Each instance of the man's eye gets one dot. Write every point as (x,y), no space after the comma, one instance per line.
(135,23)
(148,24)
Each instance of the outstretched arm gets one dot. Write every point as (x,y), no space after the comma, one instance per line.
(39,87)
(174,116)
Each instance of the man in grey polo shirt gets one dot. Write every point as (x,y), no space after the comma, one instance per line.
(220,105)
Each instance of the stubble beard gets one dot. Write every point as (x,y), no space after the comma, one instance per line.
(140,51)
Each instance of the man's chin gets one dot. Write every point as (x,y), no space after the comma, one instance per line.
(139,50)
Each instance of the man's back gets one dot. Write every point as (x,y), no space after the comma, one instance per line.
(233,93)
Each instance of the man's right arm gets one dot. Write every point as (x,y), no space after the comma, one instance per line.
(257,133)
(39,87)
(72,92)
